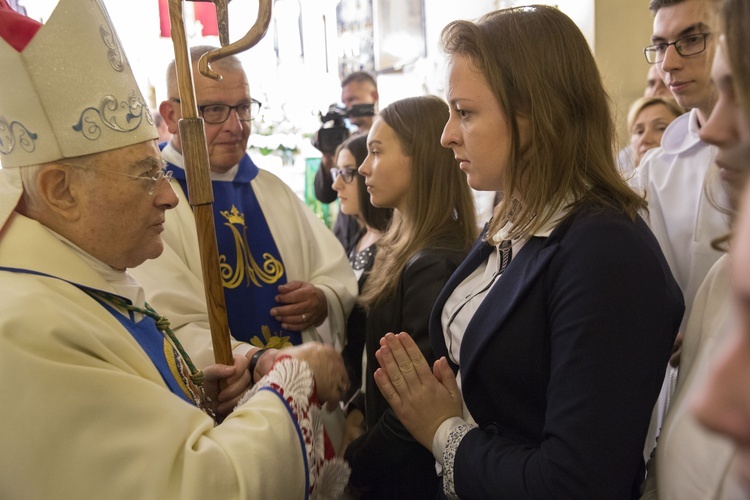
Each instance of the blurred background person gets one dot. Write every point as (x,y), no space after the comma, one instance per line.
(655,86)
(648,118)
(359,93)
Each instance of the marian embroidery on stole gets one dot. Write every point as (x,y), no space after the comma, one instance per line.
(245,268)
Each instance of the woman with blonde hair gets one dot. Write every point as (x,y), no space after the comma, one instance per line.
(432,229)
(554,333)
(648,118)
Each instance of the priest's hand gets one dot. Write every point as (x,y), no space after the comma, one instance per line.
(421,398)
(303,305)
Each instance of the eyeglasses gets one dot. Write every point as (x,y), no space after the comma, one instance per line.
(150,182)
(686,46)
(347,174)
(218,113)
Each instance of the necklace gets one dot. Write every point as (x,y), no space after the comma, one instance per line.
(359,260)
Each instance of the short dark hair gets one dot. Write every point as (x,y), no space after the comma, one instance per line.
(359,76)
(655,5)
(375,217)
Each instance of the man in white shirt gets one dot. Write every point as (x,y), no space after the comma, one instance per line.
(676,176)
(680,178)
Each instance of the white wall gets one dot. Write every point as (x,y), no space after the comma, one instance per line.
(616,30)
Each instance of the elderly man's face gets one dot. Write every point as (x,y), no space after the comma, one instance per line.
(227,142)
(120,222)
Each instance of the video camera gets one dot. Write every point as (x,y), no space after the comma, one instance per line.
(334,130)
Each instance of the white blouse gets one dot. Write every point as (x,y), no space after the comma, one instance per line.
(460,308)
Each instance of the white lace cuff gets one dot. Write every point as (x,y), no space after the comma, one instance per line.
(449,457)
(440,439)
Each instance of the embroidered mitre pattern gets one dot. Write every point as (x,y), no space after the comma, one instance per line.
(66,96)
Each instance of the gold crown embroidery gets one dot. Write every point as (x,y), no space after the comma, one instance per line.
(233,216)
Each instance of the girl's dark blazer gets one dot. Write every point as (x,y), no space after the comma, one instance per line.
(563,361)
(386,461)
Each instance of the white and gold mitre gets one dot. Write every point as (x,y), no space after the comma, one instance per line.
(70,91)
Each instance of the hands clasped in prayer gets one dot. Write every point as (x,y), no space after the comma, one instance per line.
(422,398)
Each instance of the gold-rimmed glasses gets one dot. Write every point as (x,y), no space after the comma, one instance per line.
(149,180)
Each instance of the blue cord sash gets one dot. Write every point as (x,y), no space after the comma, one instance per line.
(160,351)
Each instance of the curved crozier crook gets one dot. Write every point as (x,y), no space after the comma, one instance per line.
(256,33)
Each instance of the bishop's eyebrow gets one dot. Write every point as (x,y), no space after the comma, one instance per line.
(149,163)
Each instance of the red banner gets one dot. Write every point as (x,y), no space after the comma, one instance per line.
(204,13)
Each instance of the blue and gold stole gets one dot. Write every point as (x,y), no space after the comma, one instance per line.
(250,263)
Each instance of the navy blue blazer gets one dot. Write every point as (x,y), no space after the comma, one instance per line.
(563,361)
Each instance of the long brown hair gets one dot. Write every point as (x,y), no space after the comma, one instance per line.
(735,17)
(440,207)
(540,68)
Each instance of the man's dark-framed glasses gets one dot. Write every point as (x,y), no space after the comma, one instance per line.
(218,113)
(686,46)
(347,174)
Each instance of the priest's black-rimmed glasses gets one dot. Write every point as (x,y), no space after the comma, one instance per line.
(218,113)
